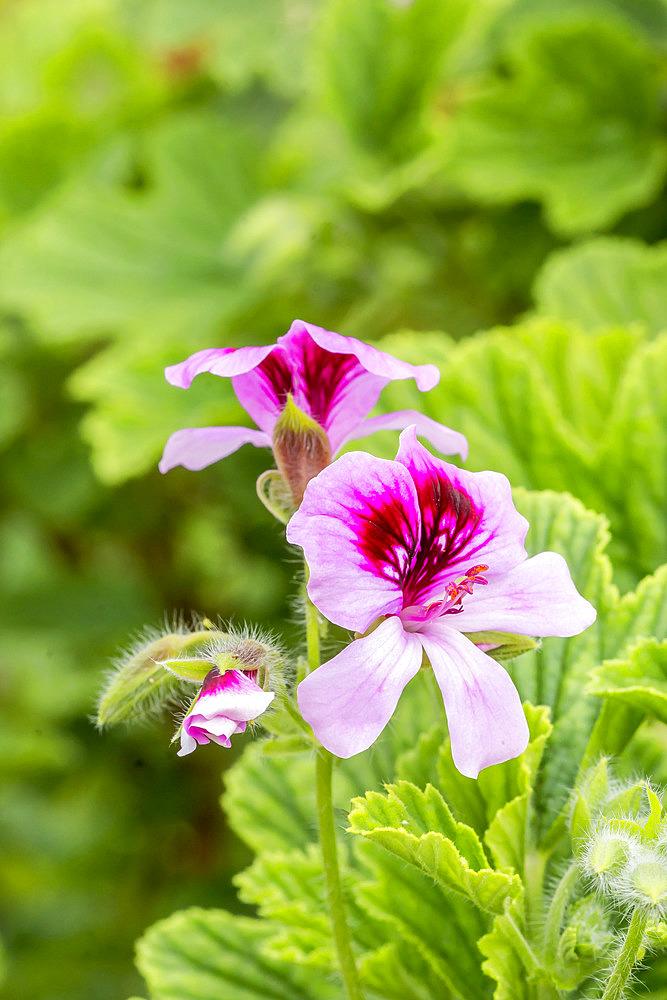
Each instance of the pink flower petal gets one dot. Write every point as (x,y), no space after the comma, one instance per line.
(233,695)
(376,362)
(331,386)
(537,597)
(349,700)
(197,447)
(447,441)
(357,524)
(224,361)
(468,518)
(486,721)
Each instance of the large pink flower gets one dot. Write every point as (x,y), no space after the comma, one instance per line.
(425,552)
(227,701)
(334,380)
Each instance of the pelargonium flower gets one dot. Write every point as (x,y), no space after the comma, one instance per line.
(331,380)
(424,552)
(227,701)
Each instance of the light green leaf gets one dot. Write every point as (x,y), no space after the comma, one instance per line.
(556,129)
(288,888)
(395,972)
(378,92)
(439,927)
(419,764)
(265,40)
(208,954)
(97,259)
(419,828)
(639,679)
(270,801)
(506,835)
(507,959)
(603,282)
(592,416)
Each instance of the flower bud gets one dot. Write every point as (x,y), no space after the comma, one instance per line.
(240,670)
(141,684)
(300,447)
(645,883)
(607,853)
(228,700)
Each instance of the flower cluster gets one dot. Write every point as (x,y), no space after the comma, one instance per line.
(416,556)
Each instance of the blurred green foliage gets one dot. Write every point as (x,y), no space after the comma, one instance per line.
(174,176)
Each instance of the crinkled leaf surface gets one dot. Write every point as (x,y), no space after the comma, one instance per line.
(554,128)
(432,927)
(592,419)
(604,282)
(419,828)
(208,954)
(504,961)
(639,679)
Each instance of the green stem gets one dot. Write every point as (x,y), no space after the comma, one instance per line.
(312,635)
(557,909)
(626,958)
(325,819)
(341,933)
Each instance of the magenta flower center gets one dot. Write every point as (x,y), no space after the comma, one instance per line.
(316,382)
(432,559)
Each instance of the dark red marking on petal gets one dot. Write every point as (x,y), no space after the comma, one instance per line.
(317,379)
(449,522)
(448,537)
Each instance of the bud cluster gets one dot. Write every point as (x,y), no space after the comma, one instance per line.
(620,836)
(237,674)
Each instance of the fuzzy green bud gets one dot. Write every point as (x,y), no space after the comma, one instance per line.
(151,674)
(300,447)
(644,883)
(606,854)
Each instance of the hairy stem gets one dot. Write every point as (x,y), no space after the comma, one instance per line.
(341,933)
(626,957)
(557,909)
(325,819)
(312,635)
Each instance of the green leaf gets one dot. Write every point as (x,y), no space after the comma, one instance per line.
(264,41)
(508,959)
(592,419)
(270,801)
(409,907)
(419,828)
(208,954)
(288,888)
(639,679)
(603,282)
(395,972)
(379,92)
(100,259)
(587,144)
(477,801)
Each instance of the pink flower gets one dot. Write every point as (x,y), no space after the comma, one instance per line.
(226,702)
(335,381)
(425,552)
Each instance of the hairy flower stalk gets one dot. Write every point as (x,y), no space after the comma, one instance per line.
(414,555)
(308,394)
(327,831)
